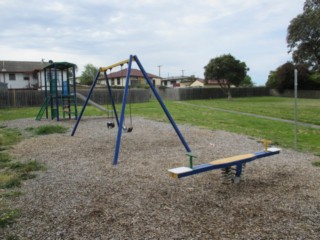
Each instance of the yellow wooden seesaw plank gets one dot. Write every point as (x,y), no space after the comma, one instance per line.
(232,159)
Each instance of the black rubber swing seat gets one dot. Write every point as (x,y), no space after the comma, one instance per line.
(110,125)
(127,129)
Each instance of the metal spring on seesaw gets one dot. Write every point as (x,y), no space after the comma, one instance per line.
(243,173)
(228,175)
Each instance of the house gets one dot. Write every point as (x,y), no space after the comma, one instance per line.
(210,83)
(29,75)
(198,83)
(181,81)
(136,78)
(22,74)
(215,83)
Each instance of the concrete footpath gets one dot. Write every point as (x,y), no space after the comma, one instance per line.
(252,115)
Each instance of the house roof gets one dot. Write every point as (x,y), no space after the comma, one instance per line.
(134,73)
(21,66)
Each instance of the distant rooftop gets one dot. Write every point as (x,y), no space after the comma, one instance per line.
(21,66)
(134,73)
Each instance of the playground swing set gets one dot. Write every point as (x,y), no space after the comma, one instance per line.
(60,92)
(232,167)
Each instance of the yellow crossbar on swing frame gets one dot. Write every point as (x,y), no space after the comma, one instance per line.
(103,69)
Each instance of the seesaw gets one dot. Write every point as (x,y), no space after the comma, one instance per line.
(232,167)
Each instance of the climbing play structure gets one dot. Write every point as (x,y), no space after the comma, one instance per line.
(231,167)
(59,91)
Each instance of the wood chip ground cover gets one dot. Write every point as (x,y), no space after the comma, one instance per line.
(82,195)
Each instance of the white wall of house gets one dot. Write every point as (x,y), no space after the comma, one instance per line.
(22,80)
(114,81)
(171,83)
(19,80)
(180,81)
(156,81)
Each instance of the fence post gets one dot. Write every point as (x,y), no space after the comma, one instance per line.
(295,109)
(14,98)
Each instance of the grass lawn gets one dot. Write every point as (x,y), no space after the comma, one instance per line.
(16,113)
(31,112)
(308,109)
(280,107)
(280,133)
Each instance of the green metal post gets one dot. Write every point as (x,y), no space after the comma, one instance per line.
(191,156)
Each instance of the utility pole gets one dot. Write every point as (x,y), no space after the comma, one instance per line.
(182,72)
(159,66)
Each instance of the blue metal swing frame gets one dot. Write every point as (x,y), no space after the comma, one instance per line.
(120,121)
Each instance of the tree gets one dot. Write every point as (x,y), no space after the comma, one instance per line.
(247,82)
(303,35)
(283,77)
(227,71)
(70,71)
(311,4)
(272,81)
(315,78)
(89,74)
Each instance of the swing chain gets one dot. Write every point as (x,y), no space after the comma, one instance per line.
(130,127)
(110,123)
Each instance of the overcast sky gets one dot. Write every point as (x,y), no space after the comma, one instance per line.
(179,35)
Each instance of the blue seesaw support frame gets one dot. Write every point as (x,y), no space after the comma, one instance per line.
(237,161)
(124,101)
